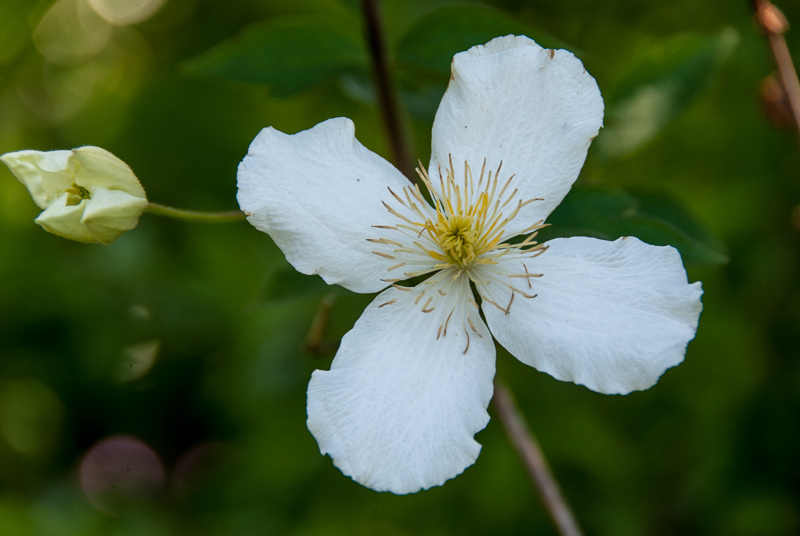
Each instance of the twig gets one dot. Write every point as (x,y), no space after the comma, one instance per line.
(523,440)
(774,24)
(513,421)
(319,324)
(398,137)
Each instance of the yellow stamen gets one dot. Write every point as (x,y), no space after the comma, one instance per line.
(464,228)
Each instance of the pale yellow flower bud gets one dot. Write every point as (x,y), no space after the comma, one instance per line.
(87,194)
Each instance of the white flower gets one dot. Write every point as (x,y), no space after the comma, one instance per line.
(410,384)
(87,194)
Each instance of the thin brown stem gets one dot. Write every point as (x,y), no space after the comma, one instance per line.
(314,342)
(387,99)
(532,456)
(774,24)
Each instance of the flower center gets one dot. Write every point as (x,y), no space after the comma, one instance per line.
(457,237)
(462,235)
(464,230)
(76,194)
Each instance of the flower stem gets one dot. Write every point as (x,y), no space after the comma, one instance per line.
(194,215)
(387,99)
(774,24)
(532,456)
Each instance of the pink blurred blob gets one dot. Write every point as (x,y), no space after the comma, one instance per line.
(196,464)
(119,472)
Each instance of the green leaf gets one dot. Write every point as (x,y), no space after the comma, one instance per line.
(289,54)
(657,84)
(436,37)
(609,213)
(420,95)
(286,283)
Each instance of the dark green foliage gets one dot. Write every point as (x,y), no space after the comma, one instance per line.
(437,36)
(288,54)
(711,449)
(607,212)
(656,84)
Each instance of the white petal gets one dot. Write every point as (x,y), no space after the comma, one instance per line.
(612,316)
(534,110)
(44,173)
(318,194)
(398,409)
(109,213)
(94,167)
(65,220)
(48,174)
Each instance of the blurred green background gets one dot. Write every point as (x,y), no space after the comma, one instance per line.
(184,345)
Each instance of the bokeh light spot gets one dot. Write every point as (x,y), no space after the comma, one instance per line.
(124,12)
(31,416)
(195,464)
(119,472)
(137,360)
(70,32)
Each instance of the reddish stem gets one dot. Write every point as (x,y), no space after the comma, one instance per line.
(532,456)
